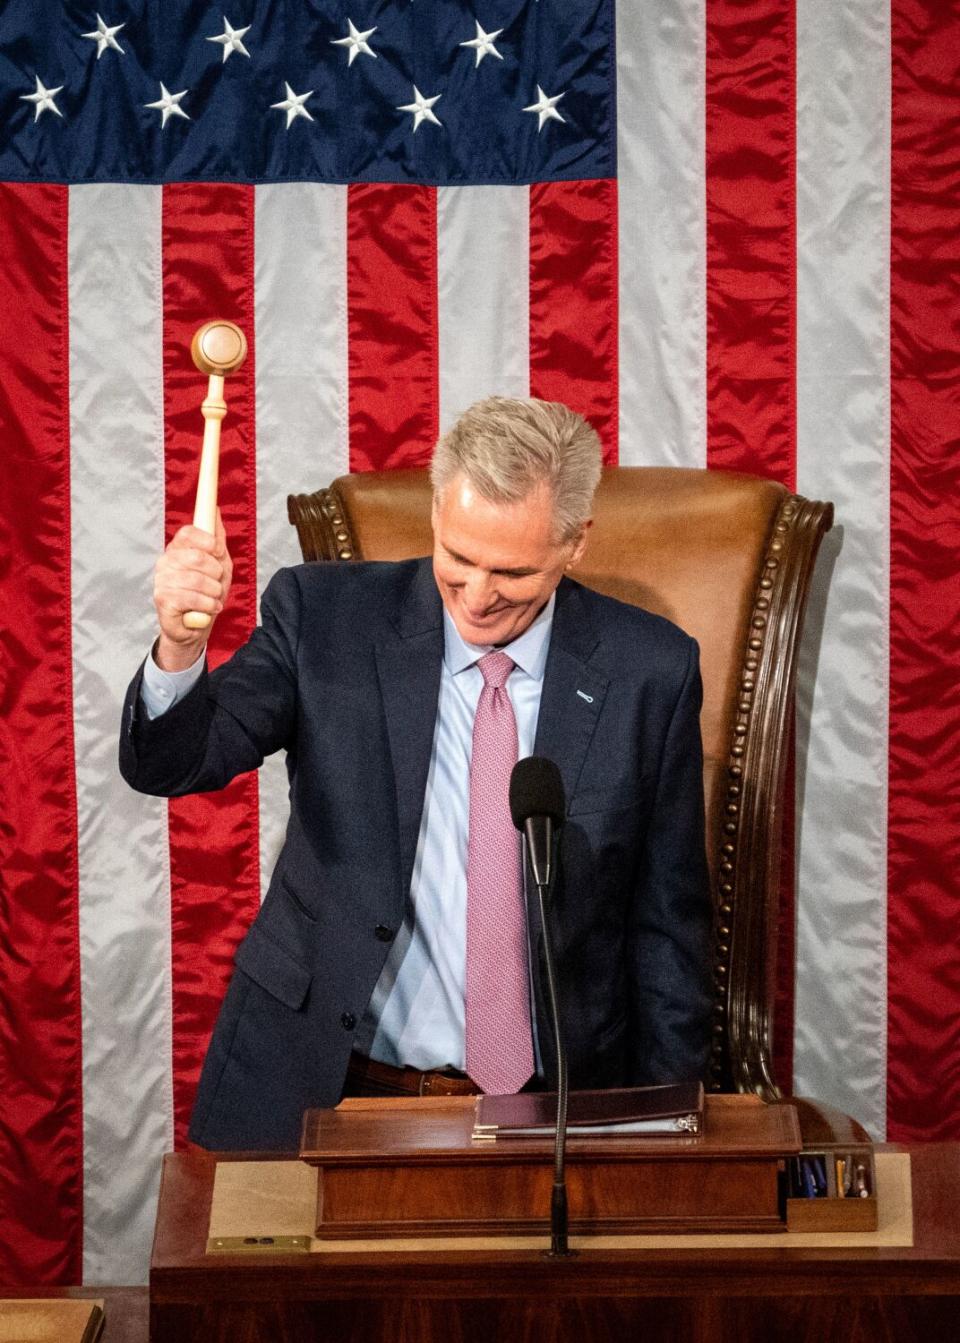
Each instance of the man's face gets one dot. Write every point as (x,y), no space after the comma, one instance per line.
(497,564)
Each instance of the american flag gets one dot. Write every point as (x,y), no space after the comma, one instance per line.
(725,230)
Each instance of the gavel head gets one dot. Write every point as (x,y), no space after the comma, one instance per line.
(218,348)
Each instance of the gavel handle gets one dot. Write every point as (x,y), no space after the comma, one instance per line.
(213,410)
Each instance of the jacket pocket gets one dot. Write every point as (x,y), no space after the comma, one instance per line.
(271,966)
(292,895)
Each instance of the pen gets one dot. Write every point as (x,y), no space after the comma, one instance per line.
(806,1172)
(861,1186)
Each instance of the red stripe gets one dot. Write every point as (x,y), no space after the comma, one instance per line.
(751,237)
(923,1091)
(573,301)
(40,1042)
(392,323)
(214,839)
(751,295)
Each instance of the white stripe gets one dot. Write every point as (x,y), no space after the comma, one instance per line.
(483,295)
(302,388)
(843,455)
(662,205)
(117,515)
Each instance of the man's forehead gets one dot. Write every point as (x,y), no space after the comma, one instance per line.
(509,535)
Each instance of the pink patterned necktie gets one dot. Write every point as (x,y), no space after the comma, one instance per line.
(499,1038)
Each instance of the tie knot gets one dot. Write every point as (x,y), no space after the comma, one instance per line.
(495,667)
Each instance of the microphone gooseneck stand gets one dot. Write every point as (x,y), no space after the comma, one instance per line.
(538,809)
(543,879)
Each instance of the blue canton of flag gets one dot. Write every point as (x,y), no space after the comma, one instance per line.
(438,92)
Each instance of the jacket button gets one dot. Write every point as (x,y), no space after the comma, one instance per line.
(384,934)
(348,1021)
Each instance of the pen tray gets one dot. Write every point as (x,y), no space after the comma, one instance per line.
(832,1188)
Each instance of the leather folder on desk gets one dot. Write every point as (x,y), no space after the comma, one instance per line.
(637,1111)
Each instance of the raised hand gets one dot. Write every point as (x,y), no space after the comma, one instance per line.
(193,574)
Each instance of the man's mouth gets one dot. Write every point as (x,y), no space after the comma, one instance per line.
(481,617)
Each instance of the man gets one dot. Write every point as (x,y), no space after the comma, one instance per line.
(391,944)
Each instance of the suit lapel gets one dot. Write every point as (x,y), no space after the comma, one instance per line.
(409,666)
(572,694)
(570,706)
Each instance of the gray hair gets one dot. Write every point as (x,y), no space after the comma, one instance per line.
(506,447)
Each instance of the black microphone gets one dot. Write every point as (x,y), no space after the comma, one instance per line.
(538,807)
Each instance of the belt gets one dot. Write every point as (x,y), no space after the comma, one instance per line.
(368,1077)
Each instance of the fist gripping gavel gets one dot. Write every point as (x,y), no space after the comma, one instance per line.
(218,348)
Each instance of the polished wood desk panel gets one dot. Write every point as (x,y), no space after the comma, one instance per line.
(125,1309)
(859,1296)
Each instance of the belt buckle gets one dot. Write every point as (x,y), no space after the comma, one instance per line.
(433,1083)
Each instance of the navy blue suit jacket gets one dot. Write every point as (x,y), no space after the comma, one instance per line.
(344,673)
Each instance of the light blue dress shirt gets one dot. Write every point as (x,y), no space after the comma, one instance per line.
(161,690)
(416,1014)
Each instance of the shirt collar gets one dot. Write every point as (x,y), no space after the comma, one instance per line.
(528,651)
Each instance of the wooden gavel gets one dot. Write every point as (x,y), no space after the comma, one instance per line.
(218,348)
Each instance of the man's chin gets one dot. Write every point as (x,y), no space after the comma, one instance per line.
(494,629)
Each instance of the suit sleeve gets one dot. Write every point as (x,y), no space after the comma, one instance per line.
(671,914)
(232,718)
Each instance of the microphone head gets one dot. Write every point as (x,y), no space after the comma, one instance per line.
(536,789)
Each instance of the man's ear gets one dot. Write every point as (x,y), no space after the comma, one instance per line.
(579,544)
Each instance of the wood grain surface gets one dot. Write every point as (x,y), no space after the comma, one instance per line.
(813,1295)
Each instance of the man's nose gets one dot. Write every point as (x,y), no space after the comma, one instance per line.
(478,589)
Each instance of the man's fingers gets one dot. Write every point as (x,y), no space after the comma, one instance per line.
(186,559)
(193,536)
(174,605)
(189,580)
(192,574)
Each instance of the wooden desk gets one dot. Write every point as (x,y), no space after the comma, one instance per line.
(125,1308)
(858,1296)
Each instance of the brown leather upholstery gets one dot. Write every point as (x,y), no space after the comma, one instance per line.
(729,559)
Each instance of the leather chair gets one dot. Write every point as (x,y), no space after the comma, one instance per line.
(729,558)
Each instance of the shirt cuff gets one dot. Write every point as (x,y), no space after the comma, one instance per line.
(161,690)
